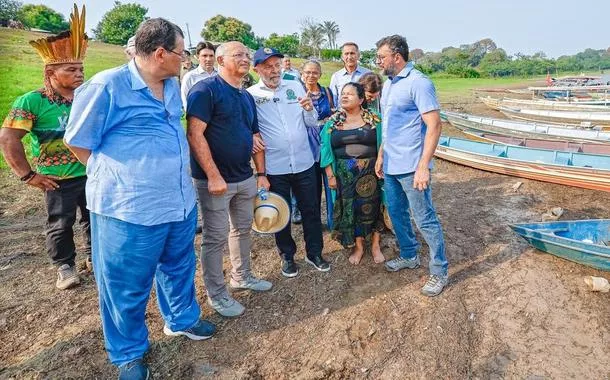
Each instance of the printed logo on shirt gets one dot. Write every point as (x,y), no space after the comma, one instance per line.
(290,95)
(63,122)
(261,101)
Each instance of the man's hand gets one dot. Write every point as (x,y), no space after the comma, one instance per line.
(421,179)
(306,102)
(258,144)
(262,182)
(217,186)
(44,182)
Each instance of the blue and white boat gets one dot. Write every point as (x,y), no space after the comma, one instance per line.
(585,242)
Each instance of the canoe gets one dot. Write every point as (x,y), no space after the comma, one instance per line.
(565,146)
(589,171)
(496,103)
(527,130)
(600,119)
(585,242)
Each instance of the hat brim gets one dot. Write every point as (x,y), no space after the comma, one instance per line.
(258,62)
(278,202)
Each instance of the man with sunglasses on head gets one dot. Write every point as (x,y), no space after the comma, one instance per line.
(222,129)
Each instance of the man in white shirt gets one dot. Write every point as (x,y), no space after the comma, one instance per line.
(351,71)
(284,113)
(289,72)
(206,55)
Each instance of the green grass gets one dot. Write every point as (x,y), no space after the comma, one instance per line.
(21,67)
(21,71)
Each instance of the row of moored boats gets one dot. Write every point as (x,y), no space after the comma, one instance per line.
(566,143)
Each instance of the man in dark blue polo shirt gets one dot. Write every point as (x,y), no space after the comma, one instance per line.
(223,135)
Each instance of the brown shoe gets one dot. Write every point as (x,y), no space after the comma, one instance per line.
(67,277)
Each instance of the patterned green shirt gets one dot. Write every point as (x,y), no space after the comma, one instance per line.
(46,119)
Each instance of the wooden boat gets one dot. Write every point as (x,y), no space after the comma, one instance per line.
(589,171)
(566,146)
(585,242)
(526,130)
(496,103)
(600,119)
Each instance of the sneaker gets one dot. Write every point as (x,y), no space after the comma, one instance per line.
(399,263)
(289,268)
(201,331)
(227,306)
(134,370)
(67,277)
(434,286)
(318,262)
(251,283)
(296,216)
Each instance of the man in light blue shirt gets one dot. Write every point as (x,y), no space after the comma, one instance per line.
(284,113)
(351,72)
(411,129)
(126,127)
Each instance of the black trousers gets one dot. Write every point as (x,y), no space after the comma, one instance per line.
(303,186)
(62,204)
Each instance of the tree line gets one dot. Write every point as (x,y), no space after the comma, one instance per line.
(319,39)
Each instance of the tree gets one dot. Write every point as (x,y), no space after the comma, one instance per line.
(331,29)
(312,35)
(120,23)
(42,17)
(416,54)
(222,29)
(287,44)
(9,10)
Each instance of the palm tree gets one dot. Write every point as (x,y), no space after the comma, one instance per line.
(312,35)
(331,29)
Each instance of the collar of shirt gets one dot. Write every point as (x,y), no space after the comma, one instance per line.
(403,73)
(200,70)
(344,71)
(264,87)
(137,83)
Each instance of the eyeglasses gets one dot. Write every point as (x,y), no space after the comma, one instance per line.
(379,58)
(311,73)
(181,55)
(240,56)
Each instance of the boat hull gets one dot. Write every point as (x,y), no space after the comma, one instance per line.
(568,247)
(584,177)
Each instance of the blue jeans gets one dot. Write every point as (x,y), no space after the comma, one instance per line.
(126,259)
(401,199)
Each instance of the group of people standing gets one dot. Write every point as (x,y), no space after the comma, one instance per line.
(116,144)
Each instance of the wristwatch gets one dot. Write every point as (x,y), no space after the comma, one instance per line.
(261,174)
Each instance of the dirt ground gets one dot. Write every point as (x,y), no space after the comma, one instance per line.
(509,311)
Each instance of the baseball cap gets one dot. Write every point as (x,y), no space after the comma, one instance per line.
(262,54)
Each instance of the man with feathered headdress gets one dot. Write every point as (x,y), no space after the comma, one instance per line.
(44,114)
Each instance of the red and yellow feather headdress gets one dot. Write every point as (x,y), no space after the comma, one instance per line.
(66,47)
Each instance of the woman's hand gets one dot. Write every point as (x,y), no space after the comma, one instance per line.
(332,182)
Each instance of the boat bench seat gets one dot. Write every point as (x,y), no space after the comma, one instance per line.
(494,152)
(562,160)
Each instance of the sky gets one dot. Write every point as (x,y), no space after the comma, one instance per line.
(556,27)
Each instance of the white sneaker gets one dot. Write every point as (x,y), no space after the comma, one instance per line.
(434,286)
(67,277)
(251,283)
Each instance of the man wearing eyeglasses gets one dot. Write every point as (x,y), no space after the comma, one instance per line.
(411,130)
(125,127)
(222,129)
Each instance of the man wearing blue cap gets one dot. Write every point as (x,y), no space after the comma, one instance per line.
(285,112)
